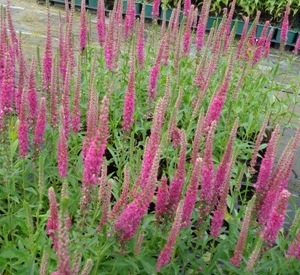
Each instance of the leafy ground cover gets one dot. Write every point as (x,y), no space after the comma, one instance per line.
(150,151)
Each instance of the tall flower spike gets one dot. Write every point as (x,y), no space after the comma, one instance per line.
(32,93)
(65,102)
(47,59)
(178,180)
(52,223)
(76,103)
(23,127)
(261,186)
(285,26)
(161,208)
(7,92)
(83,27)
(258,141)
(188,30)
(225,162)
(166,253)
(276,218)
(191,193)
(109,44)
(140,43)
(22,76)
(202,24)
(207,173)
(53,94)
(227,27)
(238,251)
(129,98)
(94,157)
(129,18)
(297,46)
(40,126)
(14,37)
(187,8)
(197,137)
(101,28)
(243,38)
(219,213)
(105,207)
(123,200)
(294,248)
(155,9)
(62,154)
(127,223)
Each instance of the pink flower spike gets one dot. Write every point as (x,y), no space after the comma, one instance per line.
(47,59)
(276,219)
(83,27)
(153,78)
(155,9)
(166,253)
(101,28)
(285,25)
(52,223)
(129,99)
(23,127)
(191,193)
(62,154)
(40,126)
(161,208)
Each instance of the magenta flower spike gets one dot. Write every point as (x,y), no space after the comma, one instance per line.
(109,45)
(202,24)
(208,173)
(83,27)
(176,185)
(155,9)
(227,27)
(285,25)
(188,30)
(140,43)
(241,43)
(53,95)
(262,184)
(162,196)
(40,126)
(75,116)
(219,213)
(129,18)
(62,154)
(191,193)
(297,46)
(47,58)
(65,102)
(93,160)
(294,248)
(276,219)
(153,79)
(23,127)
(32,93)
(225,162)
(267,45)
(22,76)
(13,34)
(166,253)
(187,7)
(52,223)
(101,27)
(127,223)
(129,99)
(238,251)
(216,105)
(7,92)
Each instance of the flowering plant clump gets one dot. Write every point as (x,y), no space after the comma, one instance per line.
(138,153)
